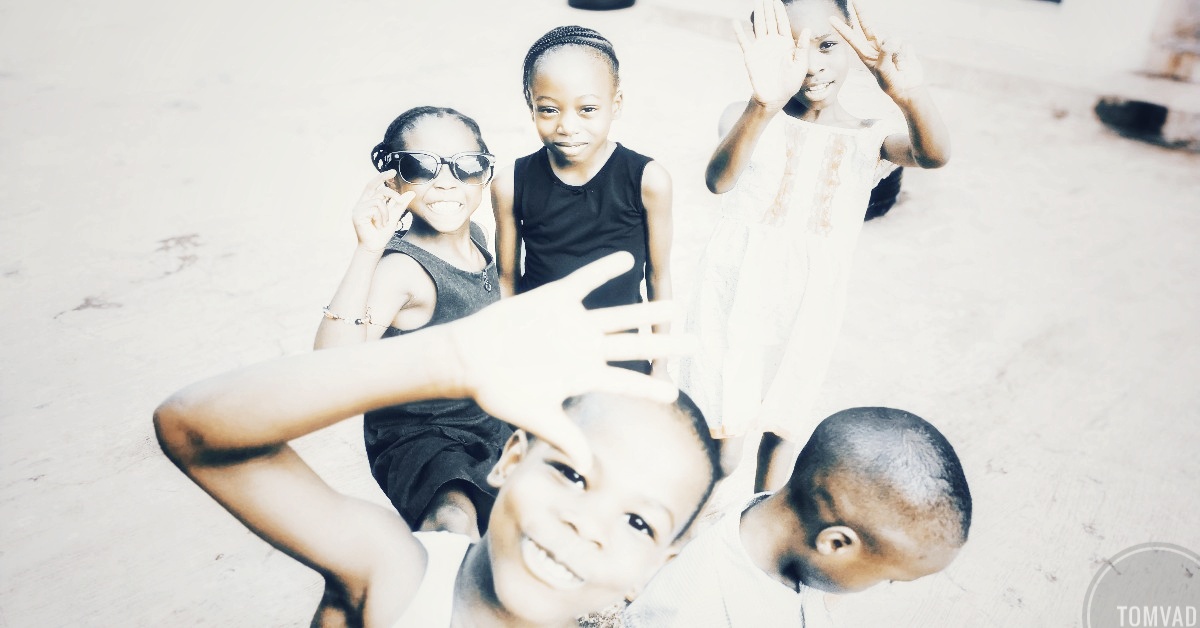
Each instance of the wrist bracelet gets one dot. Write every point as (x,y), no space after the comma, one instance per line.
(365,320)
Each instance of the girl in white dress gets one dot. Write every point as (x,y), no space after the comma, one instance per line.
(796,170)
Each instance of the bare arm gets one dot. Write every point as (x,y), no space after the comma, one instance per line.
(927,143)
(777,65)
(376,217)
(229,434)
(899,74)
(508,240)
(740,127)
(656,198)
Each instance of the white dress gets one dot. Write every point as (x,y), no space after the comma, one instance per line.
(772,280)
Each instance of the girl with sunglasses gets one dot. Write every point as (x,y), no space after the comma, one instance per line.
(582,195)
(430,457)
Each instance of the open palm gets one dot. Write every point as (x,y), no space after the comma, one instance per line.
(777,63)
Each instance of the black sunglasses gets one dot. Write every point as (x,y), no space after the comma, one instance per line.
(418,166)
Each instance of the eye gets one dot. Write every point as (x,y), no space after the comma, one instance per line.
(827,44)
(547,111)
(569,474)
(639,524)
(590,109)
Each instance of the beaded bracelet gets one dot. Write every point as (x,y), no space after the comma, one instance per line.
(365,320)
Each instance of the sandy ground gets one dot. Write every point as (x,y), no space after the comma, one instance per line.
(176,180)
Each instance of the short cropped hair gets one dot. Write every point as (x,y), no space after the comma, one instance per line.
(903,460)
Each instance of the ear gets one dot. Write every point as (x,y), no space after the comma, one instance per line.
(618,100)
(840,541)
(513,453)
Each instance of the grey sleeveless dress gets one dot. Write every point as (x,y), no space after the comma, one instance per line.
(417,448)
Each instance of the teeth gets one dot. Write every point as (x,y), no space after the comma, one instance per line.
(546,568)
(444,207)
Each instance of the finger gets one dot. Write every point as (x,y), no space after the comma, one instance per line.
(377,181)
(805,39)
(864,27)
(397,200)
(852,17)
(764,19)
(860,47)
(621,381)
(783,25)
(743,38)
(622,317)
(581,282)
(625,347)
(562,432)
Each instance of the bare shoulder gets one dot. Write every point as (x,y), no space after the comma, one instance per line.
(502,186)
(655,179)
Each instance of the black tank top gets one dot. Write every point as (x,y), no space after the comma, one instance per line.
(566,226)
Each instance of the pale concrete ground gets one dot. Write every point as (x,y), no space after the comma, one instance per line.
(175,184)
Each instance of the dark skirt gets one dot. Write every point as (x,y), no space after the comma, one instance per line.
(413,454)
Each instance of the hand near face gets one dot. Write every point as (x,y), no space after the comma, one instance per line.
(522,357)
(893,63)
(777,63)
(378,212)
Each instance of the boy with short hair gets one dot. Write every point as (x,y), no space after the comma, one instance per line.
(876,494)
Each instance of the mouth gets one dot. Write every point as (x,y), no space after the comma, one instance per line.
(444,208)
(545,567)
(570,145)
(817,90)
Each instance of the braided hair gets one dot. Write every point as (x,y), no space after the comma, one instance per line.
(393,138)
(569,36)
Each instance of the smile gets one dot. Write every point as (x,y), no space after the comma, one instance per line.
(444,208)
(817,89)
(546,568)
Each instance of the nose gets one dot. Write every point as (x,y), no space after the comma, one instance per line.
(816,60)
(586,522)
(445,178)
(568,123)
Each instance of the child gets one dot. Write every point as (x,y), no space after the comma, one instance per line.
(582,195)
(797,171)
(430,457)
(589,507)
(877,494)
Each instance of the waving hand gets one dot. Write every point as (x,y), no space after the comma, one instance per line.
(893,63)
(776,63)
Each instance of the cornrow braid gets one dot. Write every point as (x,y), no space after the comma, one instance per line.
(393,138)
(568,36)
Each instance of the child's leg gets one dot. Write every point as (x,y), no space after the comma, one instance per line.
(451,510)
(776,457)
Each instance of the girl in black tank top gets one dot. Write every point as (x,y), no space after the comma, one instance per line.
(582,195)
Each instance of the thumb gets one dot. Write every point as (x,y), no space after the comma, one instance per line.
(560,431)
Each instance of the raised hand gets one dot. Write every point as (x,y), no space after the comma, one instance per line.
(378,212)
(893,63)
(522,357)
(776,63)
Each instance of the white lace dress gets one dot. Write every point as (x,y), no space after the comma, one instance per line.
(772,280)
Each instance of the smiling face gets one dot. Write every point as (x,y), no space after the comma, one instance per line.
(829,54)
(574,100)
(563,544)
(445,204)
